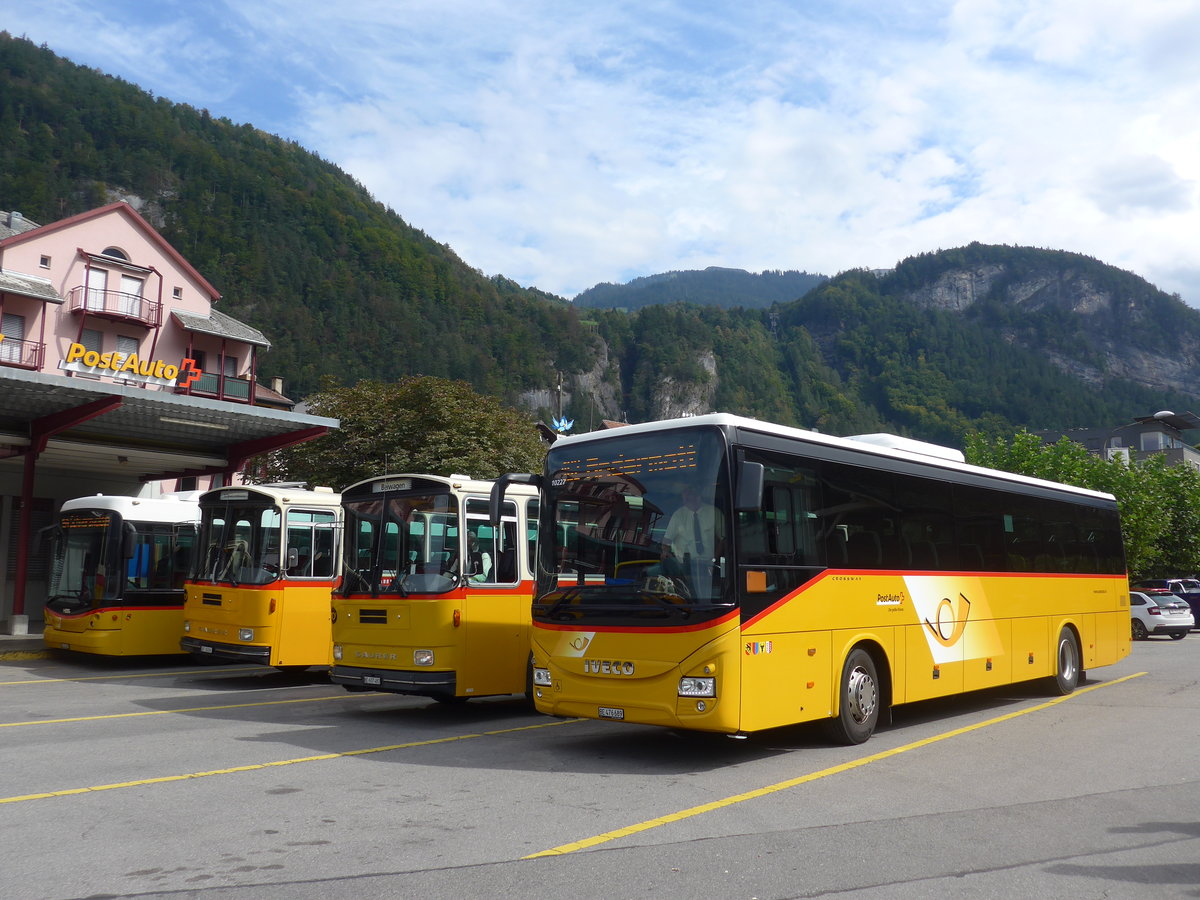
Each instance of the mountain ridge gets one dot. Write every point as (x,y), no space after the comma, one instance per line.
(981,337)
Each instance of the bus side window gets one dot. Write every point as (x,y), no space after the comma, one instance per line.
(506,566)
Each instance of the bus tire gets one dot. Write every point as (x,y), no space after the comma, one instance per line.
(859,694)
(1066,665)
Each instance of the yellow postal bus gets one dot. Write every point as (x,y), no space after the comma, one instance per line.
(729,575)
(267,562)
(435,598)
(117,572)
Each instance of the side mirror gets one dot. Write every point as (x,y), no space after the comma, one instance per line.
(751,476)
(293,557)
(44,535)
(128,541)
(496,498)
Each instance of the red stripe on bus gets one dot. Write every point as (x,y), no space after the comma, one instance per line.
(642,629)
(112,609)
(787,598)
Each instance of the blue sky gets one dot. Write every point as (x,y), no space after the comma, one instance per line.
(563,144)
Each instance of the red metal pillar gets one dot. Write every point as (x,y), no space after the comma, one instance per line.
(40,432)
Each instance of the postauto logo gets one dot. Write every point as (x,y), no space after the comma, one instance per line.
(129,365)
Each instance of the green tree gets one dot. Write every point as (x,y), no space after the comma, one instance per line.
(419,424)
(1159,504)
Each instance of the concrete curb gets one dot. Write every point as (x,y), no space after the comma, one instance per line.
(17,655)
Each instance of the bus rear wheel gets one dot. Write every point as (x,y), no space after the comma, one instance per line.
(1066,670)
(859,707)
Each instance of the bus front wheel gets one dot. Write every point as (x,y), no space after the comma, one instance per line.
(859,694)
(1066,669)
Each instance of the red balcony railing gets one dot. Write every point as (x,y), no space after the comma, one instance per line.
(22,354)
(116,305)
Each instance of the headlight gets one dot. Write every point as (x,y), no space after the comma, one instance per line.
(245,634)
(422,657)
(697,687)
(187,626)
(337,652)
(541,677)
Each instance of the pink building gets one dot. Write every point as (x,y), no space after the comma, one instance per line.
(106,282)
(117,375)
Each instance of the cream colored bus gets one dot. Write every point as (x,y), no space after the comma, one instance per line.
(267,564)
(435,599)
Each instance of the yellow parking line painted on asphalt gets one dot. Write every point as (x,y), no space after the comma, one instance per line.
(803,779)
(141,675)
(280,762)
(165,712)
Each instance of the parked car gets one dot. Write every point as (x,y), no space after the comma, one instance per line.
(1158,611)
(1187,589)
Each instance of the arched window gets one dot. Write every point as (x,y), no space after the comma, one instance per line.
(116,253)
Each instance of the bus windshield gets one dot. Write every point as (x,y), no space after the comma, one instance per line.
(636,529)
(239,541)
(401,539)
(87,558)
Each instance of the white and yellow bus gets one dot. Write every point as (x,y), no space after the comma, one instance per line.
(435,598)
(728,575)
(267,562)
(117,573)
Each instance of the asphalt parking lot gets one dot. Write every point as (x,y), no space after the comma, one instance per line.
(160,778)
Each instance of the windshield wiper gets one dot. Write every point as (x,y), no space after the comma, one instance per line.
(667,601)
(567,595)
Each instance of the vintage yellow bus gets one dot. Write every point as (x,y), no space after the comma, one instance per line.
(728,575)
(267,562)
(435,598)
(117,571)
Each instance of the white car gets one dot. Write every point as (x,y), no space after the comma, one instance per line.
(1159,612)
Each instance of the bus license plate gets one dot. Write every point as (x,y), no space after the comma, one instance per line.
(205,649)
(371,679)
(610,712)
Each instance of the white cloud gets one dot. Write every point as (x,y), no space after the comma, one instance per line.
(566,144)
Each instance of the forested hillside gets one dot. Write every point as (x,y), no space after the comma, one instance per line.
(978,338)
(339,283)
(714,286)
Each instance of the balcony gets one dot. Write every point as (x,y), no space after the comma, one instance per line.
(219,387)
(22,354)
(117,306)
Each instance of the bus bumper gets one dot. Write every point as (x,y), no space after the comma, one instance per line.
(397,681)
(231,652)
(101,643)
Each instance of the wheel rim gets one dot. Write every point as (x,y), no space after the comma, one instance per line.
(1068,662)
(861,695)
(1139,630)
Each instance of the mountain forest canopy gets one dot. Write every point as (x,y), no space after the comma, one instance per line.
(981,338)
(715,286)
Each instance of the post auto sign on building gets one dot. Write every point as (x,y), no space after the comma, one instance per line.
(130,367)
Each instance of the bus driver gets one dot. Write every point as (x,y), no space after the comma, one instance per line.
(694,532)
